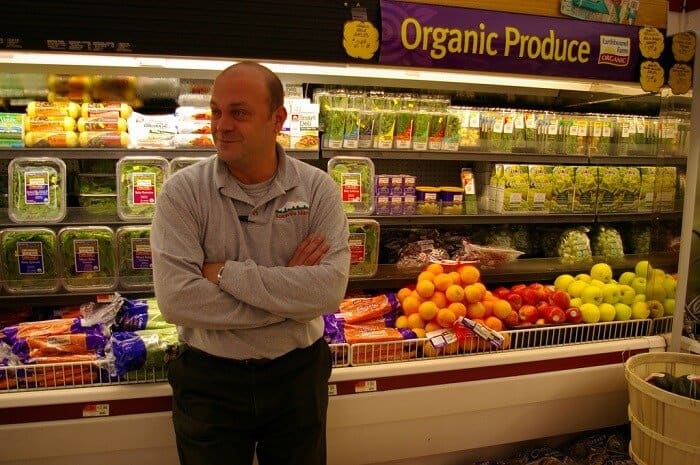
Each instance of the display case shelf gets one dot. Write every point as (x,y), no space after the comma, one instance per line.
(483,218)
(115,154)
(521,270)
(462,155)
(638,216)
(505,157)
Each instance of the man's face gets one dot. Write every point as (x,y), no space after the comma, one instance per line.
(243,126)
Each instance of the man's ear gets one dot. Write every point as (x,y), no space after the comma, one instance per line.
(279,117)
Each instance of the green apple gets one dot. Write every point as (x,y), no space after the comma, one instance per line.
(590,313)
(640,298)
(656,308)
(640,311)
(576,288)
(611,293)
(602,272)
(592,295)
(670,284)
(597,283)
(669,307)
(563,280)
(639,285)
(642,269)
(575,302)
(626,294)
(583,277)
(622,312)
(627,277)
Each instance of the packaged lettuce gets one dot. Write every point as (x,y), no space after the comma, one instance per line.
(88,258)
(436,132)
(364,248)
(178,163)
(629,188)
(368,121)
(562,188)
(335,128)
(421,131)
(139,180)
(610,184)
(405,127)
(384,131)
(355,179)
(585,189)
(37,190)
(29,260)
(453,127)
(351,131)
(539,194)
(134,257)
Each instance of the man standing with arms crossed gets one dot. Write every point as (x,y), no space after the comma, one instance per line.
(250,248)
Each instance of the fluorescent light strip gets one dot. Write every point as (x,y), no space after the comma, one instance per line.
(304,69)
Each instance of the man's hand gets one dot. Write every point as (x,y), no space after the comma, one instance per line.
(310,251)
(210,270)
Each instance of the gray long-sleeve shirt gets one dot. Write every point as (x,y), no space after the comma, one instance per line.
(262,308)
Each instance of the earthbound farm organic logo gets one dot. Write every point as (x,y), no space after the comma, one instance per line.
(297,208)
(444,42)
(614,50)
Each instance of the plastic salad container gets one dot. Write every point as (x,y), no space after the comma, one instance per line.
(88,259)
(139,181)
(37,190)
(29,257)
(134,257)
(355,178)
(182,162)
(364,247)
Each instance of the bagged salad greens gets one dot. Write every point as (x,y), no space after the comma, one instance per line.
(37,190)
(134,257)
(29,260)
(139,180)
(88,258)
(364,248)
(355,179)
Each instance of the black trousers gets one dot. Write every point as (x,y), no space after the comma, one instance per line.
(224,411)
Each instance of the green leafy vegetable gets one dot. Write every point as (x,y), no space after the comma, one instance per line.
(140,182)
(29,260)
(88,258)
(38,190)
(364,248)
(134,254)
(355,179)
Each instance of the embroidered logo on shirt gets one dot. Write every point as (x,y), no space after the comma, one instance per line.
(297,208)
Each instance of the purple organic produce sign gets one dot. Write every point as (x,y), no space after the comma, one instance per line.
(432,36)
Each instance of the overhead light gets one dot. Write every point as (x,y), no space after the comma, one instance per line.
(316,72)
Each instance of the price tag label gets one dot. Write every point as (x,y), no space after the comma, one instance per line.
(365,386)
(96,410)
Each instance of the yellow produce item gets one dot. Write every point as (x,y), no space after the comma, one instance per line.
(119,109)
(101,123)
(49,123)
(97,139)
(51,139)
(35,109)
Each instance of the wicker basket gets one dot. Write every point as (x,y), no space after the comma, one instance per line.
(665,427)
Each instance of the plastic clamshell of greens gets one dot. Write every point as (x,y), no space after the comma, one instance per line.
(134,257)
(178,163)
(37,190)
(364,247)
(139,181)
(29,260)
(355,179)
(87,258)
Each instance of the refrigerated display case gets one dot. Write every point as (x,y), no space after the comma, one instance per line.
(550,382)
